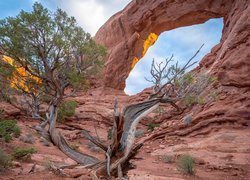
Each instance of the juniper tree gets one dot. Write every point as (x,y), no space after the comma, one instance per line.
(43,55)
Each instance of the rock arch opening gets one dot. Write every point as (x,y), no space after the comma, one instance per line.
(181,42)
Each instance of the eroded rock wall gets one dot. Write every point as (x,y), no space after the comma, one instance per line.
(126,32)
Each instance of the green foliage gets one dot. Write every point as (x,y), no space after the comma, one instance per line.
(5,160)
(152,126)
(8,128)
(185,80)
(201,100)
(23,153)
(192,99)
(1,113)
(77,80)
(186,164)
(66,109)
(109,136)
(52,48)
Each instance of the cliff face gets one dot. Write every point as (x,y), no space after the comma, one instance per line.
(129,33)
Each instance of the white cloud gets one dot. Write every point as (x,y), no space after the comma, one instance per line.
(90,14)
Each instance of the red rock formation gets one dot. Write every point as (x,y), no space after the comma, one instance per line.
(125,33)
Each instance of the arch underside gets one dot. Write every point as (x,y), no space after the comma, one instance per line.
(128,34)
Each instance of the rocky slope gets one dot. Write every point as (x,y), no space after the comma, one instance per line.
(218,135)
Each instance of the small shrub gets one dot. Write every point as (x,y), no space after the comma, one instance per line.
(187,120)
(48,164)
(28,138)
(9,128)
(159,111)
(23,153)
(109,136)
(168,159)
(186,164)
(5,161)
(213,95)
(66,109)
(75,146)
(44,141)
(139,132)
(1,113)
(201,101)
(190,99)
(152,126)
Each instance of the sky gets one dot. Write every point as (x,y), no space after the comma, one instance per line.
(92,14)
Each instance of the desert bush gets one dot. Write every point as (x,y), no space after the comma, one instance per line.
(1,113)
(23,153)
(213,96)
(75,146)
(168,159)
(48,164)
(159,111)
(139,132)
(186,164)
(109,135)
(8,128)
(152,126)
(44,141)
(187,120)
(28,138)
(66,109)
(5,160)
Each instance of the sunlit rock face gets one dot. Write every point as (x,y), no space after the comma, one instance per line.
(128,34)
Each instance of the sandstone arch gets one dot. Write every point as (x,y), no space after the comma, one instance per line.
(129,33)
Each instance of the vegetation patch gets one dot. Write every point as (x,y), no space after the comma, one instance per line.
(23,153)
(109,136)
(186,164)
(9,128)
(152,126)
(66,109)
(5,161)
(168,159)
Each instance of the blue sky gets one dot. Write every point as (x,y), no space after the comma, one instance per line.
(182,43)
(92,14)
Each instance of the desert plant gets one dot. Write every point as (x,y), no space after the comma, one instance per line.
(152,126)
(44,141)
(5,160)
(66,109)
(190,99)
(213,95)
(139,132)
(1,113)
(109,135)
(159,110)
(186,164)
(48,164)
(23,153)
(187,120)
(168,159)
(75,146)
(8,128)
(28,138)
